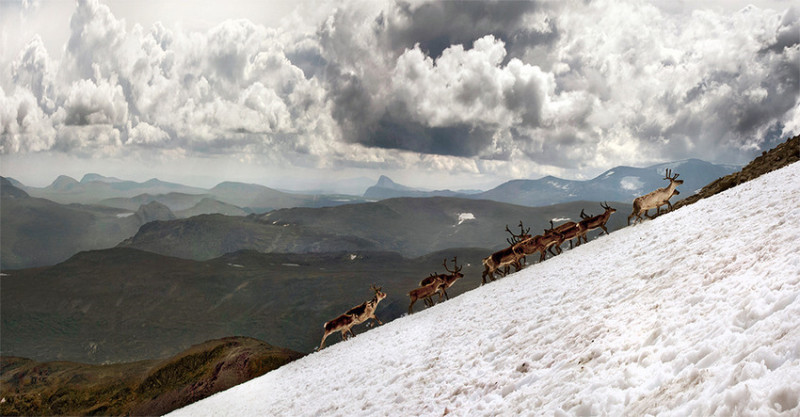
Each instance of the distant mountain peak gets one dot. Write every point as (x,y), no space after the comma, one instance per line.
(385,182)
(64,183)
(94,177)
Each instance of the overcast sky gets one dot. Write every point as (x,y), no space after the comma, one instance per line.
(433,94)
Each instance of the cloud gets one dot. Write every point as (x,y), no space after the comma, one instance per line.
(522,87)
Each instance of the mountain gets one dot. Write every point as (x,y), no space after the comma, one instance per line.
(386,188)
(38,232)
(672,317)
(122,305)
(210,206)
(260,199)
(94,188)
(154,211)
(175,201)
(410,226)
(617,184)
(151,387)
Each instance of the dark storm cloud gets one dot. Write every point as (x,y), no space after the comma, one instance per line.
(456,140)
(436,26)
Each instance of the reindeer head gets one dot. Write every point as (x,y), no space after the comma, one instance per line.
(379,295)
(608,208)
(672,179)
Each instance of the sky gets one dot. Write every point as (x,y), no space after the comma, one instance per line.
(433,94)
(662,324)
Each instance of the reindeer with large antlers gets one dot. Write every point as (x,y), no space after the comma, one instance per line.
(594,222)
(356,315)
(655,198)
(449,279)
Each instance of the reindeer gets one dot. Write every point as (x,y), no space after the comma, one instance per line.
(507,257)
(561,229)
(658,209)
(356,315)
(366,310)
(342,324)
(447,280)
(655,198)
(500,259)
(594,222)
(425,292)
(540,243)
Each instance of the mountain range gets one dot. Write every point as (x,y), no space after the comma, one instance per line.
(617,184)
(233,197)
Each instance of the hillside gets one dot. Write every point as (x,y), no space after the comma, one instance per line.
(410,226)
(125,305)
(151,387)
(694,313)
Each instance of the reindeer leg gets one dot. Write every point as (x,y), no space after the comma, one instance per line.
(322,344)
(410,305)
(374,317)
(446,297)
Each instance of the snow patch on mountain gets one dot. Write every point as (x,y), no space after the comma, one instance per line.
(694,313)
(462,217)
(631,183)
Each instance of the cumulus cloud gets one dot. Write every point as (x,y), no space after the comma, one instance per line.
(521,87)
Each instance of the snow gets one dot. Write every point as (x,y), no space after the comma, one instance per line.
(631,183)
(124,215)
(462,217)
(694,313)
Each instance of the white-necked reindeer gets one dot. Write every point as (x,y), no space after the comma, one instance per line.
(356,315)
(655,199)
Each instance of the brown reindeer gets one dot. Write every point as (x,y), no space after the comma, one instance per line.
(561,229)
(449,279)
(595,222)
(501,259)
(540,243)
(356,315)
(342,324)
(425,292)
(655,198)
(366,310)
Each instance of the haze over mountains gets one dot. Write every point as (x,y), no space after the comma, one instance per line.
(101,212)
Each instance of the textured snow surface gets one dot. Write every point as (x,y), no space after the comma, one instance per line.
(694,313)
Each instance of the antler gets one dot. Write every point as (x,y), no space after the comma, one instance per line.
(522,230)
(605,205)
(374,288)
(523,234)
(668,175)
(455,265)
(584,215)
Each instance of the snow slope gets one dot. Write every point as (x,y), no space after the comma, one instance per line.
(694,313)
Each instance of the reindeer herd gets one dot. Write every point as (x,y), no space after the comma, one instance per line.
(520,246)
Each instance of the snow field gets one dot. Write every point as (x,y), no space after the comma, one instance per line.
(694,313)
